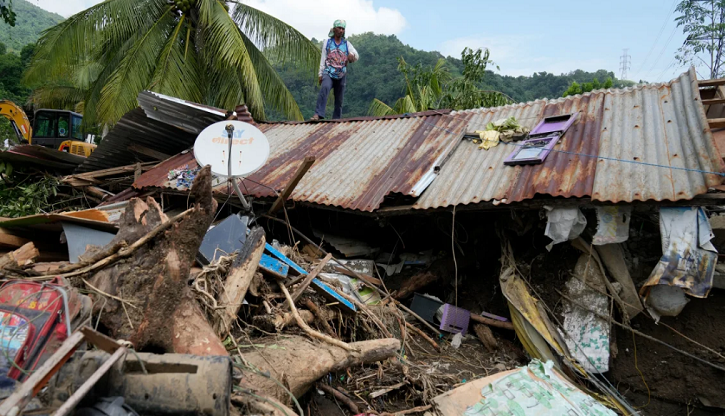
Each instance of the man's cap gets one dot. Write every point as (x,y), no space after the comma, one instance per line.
(338,23)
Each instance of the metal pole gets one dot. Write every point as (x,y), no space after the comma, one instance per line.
(245,204)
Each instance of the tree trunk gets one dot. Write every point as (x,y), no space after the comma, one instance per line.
(301,362)
(159,313)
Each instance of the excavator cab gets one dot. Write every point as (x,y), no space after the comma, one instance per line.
(53,127)
(56,129)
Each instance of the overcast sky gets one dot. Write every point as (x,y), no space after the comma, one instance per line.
(524,36)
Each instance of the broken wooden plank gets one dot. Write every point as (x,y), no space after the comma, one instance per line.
(492,322)
(143,150)
(711,82)
(386,390)
(8,239)
(331,295)
(301,170)
(32,386)
(713,101)
(285,259)
(239,277)
(20,257)
(90,178)
(273,266)
(306,283)
(365,277)
(716,123)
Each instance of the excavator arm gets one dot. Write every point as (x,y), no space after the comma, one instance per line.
(18,119)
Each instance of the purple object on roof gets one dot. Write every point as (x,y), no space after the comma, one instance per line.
(554,124)
(455,319)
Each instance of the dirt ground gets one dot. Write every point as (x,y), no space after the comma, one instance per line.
(669,375)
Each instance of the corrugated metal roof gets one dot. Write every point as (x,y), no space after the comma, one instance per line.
(357,163)
(163,124)
(662,124)
(360,162)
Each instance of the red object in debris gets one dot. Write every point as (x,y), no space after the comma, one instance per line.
(34,321)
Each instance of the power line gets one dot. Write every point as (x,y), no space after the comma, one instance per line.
(662,52)
(664,24)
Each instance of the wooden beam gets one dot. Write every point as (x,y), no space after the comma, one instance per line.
(713,101)
(308,279)
(143,150)
(32,386)
(10,240)
(88,178)
(711,82)
(716,123)
(304,167)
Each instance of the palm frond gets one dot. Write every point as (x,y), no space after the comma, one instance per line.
(276,37)
(224,47)
(178,72)
(111,22)
(273,88)
(58,97)
(379,109)
(135,70)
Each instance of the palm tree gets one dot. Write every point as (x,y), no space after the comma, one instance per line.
(192,49)
(423,90)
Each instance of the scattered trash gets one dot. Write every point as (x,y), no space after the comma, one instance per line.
(587,335)
(563,224)
(457,339)
(688,260)
(184,176)
(612,224)
(535,390)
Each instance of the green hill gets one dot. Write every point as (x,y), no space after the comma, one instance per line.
(31,20)
(376,76)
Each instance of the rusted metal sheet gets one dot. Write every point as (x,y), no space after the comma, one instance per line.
(357,163)
(164,124)
(662,124)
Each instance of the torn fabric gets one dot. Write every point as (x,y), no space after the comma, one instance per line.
(689,258)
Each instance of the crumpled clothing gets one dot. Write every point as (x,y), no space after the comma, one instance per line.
(489,138)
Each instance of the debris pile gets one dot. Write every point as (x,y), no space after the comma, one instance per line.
(168,292)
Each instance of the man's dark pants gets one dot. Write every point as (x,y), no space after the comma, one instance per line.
(328,84)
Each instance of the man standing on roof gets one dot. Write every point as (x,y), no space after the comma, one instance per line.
(336,53)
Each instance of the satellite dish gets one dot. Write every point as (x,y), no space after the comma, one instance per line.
(250,148)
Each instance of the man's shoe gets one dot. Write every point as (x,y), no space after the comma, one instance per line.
(315,118)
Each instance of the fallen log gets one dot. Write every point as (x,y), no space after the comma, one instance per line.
(301,362)
(154,277)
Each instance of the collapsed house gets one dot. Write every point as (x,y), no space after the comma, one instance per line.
(418,263)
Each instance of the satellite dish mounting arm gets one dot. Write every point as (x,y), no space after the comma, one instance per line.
(245,204)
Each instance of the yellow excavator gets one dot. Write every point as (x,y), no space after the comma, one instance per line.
(56,129)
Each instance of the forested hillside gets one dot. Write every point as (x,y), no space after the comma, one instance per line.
(30,21)
(376,76)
